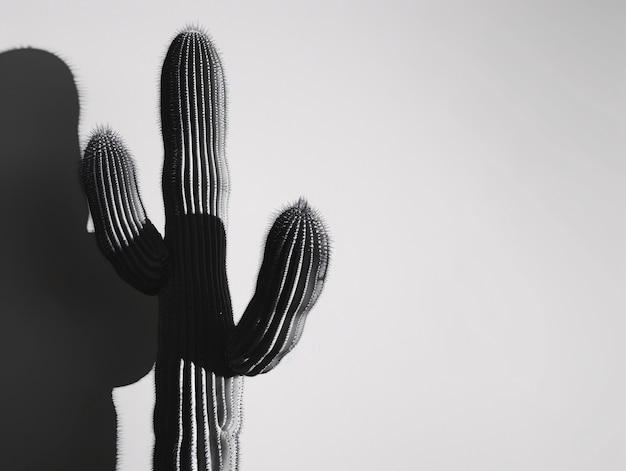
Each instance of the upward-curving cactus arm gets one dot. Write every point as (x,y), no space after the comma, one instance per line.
(290,280)
(124,234)
(201,353)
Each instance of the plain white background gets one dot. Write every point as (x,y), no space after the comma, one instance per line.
(468,158)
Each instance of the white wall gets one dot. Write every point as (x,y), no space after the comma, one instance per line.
(469,160)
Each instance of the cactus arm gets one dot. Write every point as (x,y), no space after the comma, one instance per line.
(290,279)
(124,234)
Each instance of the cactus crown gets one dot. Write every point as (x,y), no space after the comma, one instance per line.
(193,117)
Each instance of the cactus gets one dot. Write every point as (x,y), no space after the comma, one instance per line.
(202,355)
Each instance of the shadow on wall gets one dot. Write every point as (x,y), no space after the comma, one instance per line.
(70,330)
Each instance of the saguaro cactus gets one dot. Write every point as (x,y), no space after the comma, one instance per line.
(202,354)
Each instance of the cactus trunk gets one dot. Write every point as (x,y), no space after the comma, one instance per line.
(198,408)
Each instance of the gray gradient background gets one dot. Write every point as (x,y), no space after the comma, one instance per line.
(469,160)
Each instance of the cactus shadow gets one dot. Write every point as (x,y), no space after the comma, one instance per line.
(70,330)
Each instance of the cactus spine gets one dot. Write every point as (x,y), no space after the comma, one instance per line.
(202,355)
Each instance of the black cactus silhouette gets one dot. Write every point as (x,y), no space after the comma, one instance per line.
(202,354)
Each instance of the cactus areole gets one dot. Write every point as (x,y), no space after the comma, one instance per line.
(202,355)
